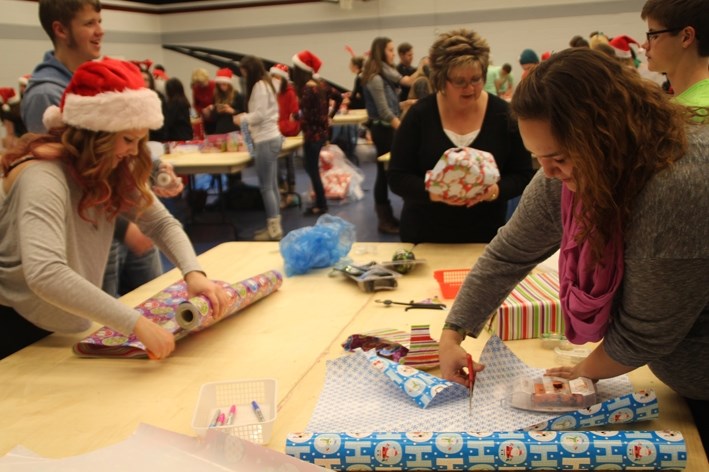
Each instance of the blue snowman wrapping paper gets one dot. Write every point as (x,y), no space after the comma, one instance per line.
(383,395)
(391,398)
(546,450)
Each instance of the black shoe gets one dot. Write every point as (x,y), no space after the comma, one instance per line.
(314,211)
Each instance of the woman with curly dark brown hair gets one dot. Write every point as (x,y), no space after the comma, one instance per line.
(60,195)
(622,194)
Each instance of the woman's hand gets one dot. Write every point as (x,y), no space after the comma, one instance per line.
(158,341)
(237,119)
(199,284)
(454,359)
(175,187)
(565,372)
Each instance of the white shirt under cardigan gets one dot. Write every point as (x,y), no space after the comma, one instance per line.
(263,113)
(52,261)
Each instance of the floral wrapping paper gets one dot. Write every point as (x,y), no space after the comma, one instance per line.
(171,309)
(462,173)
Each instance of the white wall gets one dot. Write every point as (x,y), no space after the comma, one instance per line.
(277,32)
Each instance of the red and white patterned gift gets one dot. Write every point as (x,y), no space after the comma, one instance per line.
(462,173)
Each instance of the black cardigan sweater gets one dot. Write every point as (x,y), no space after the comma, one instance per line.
(420,142)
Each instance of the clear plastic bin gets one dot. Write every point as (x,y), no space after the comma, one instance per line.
(215,397)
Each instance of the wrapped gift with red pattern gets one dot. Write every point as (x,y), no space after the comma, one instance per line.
(462,173)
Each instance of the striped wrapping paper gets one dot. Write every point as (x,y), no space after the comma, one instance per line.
(416,349)
(533,308)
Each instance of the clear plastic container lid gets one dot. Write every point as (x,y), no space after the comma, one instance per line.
(552,394)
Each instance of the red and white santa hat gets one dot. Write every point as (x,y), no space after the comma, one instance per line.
(307,61)
(159,74)
(281,70)
(24,79)
(224,76)
(107,95)
(621,46)
(8,97)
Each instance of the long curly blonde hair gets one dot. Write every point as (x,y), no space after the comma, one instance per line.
(617,129)
(90,159)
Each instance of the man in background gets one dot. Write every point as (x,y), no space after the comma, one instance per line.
(405,67)
(677,44)
(74,27)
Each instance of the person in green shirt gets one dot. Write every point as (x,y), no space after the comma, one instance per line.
(678,45)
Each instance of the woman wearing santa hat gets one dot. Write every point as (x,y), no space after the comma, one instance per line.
(289,125)
(315,118)
(60,196)
(10,116)
(228,102)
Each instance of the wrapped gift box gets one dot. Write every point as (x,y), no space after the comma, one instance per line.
(462,173)
(533,308)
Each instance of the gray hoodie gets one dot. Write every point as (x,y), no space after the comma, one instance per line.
(45,88)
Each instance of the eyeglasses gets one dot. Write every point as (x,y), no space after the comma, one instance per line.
(461,83)
(650,35)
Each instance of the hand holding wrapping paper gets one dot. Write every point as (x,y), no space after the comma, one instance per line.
(462,174)
(170,310)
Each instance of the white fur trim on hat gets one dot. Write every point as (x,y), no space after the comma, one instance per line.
(52,118)
(279,72)
(222,80)
(113,111)
(301,64)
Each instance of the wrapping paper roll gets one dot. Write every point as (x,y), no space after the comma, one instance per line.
(546,450)
(169,309)
(196,313)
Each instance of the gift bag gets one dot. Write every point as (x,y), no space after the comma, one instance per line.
(342,179)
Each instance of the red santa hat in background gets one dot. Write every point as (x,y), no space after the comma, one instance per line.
(621,46)
(8,97)
(24,79)
(107,95)
(224,76)
(281,70)
(159,74)
(307,61)
(145,64)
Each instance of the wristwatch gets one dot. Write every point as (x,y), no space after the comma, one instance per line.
(456,328)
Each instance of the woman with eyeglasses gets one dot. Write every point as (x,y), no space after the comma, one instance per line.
(459,114)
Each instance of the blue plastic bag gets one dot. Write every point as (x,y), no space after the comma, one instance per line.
(317,246)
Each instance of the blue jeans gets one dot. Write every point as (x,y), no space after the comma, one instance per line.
(126,271)
(266,160)
(311,157)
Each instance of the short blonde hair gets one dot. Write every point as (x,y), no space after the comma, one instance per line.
(457,48)
(200,76)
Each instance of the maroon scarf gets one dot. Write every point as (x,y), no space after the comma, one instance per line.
(586,289)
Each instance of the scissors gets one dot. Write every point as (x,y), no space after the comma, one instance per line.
(471,381)
(412,306)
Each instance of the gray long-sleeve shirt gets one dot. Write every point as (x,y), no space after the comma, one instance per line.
(661,312)
(52,261)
